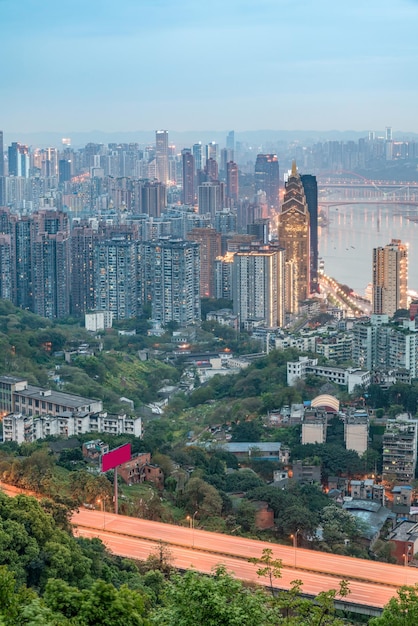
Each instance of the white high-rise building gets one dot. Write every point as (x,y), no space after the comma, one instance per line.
(258,286)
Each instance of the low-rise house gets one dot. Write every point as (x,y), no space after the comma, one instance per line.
(404,538)
(94,449)
(372,515)
(258,450)
(140,469)
(367,490)
(264,516)
(306,474)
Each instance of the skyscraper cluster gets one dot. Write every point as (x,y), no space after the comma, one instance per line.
(114,228)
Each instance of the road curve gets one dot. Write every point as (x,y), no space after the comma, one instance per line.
(371,583)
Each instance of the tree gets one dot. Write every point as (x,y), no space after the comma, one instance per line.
(100,605)
(401,610)
(269,567)
(242,481)
(161,560)
(337,525)
(202,497)
(247,431)
(297,517)
(216,600)
(297,610)
(245,515)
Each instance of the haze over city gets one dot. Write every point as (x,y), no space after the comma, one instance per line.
(243,64)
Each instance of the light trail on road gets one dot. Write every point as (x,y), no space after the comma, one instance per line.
(371,583)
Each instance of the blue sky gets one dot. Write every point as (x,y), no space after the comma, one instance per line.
(79,65)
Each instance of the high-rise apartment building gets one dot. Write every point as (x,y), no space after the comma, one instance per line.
(198,156)
(50,259)
(212,151)
(21,233)
(210,198)
(390,278)
(211,170)
(115,276)
(174,280)
(210,248)
(258,286)
(161,155)
(224,276)
(267,179)
(261,230)
(232,184)
(188,193)
(294,235)
(149,198)
(310,187)
(6,263)
(400,450)
(83,241)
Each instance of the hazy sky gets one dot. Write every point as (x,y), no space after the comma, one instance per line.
(79,65)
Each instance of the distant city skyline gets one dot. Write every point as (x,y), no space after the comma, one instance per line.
(242,65)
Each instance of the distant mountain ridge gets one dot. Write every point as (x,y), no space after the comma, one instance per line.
(187,138)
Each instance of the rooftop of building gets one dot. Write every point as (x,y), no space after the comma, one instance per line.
(404,531)
(57,397)
(246,446)
(371,513)
(10,380)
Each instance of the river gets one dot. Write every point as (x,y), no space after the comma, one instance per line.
(346,243)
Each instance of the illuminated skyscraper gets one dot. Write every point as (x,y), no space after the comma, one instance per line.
(161,155)
(294,227)
(390,278)
(267,178)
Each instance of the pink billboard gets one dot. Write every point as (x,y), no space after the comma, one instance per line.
(116,457)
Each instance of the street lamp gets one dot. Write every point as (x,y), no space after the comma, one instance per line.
(294,537)
(101,501)
(191,519)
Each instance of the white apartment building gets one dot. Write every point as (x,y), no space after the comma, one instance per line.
(349,377)
(27,428)
(16,395)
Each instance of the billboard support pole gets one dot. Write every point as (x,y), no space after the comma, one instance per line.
(115,480)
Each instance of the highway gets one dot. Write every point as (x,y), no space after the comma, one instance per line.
(371,583)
